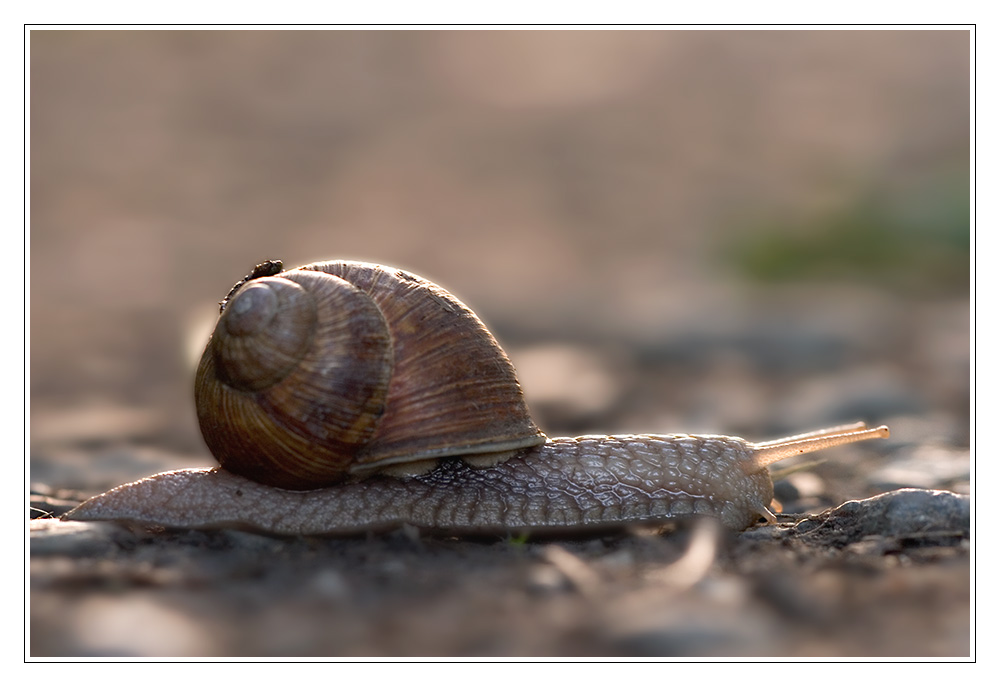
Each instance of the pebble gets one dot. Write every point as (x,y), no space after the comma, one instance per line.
(899,513)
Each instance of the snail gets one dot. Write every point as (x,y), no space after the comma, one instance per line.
(346,397)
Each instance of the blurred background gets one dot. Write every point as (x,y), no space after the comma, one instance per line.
(746,232)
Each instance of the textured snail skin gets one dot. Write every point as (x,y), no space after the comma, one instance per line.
(564,485)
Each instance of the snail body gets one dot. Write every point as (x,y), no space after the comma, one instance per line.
(319,380)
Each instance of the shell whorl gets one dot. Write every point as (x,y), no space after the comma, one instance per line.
(300,423)
(341,368)
(264,334)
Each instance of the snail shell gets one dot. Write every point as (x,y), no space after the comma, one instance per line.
(317,378)
(341,368)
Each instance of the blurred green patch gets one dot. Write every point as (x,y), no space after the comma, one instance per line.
(916,242)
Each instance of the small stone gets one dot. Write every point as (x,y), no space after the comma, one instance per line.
(900,513)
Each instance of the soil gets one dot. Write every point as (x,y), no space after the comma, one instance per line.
(827,586)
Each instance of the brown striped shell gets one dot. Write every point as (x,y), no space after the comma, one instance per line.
(342,368)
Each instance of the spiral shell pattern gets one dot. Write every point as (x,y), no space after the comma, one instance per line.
(341,368)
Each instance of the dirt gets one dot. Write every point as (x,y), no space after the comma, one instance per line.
(839,584)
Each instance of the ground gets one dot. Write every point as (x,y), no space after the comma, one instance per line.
(854,583)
